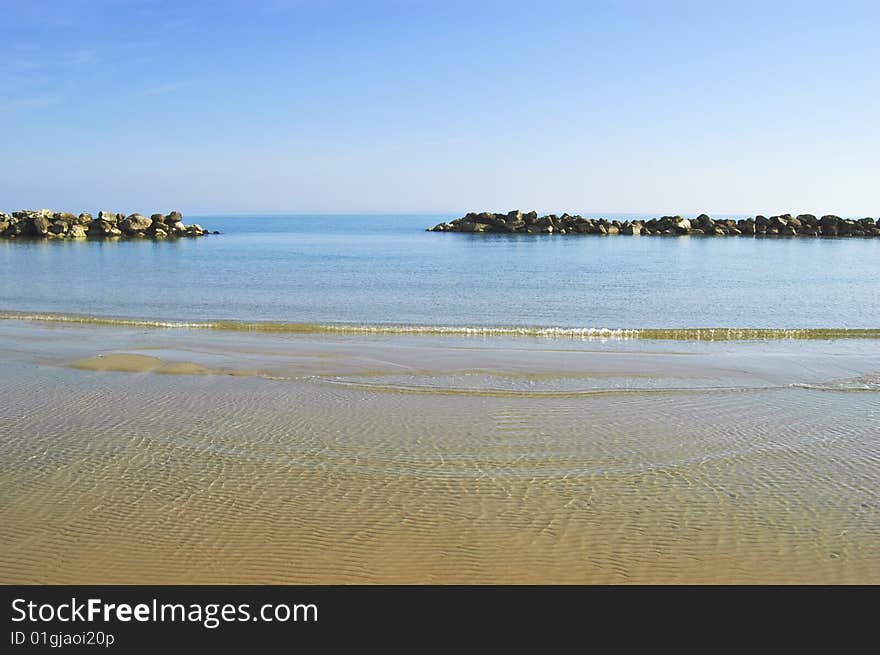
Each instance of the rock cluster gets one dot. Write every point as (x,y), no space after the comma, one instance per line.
(46,224)
(785,225)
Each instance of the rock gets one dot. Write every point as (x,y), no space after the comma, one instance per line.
(40,225)
(58,227)
(77,232)
(101,227)
(109,217)
(135,223)
(746,226)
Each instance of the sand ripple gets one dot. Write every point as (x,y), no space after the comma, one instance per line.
(120,477)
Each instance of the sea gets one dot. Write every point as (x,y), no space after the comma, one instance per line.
(387,271)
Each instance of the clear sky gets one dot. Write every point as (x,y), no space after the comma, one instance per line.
(440,106)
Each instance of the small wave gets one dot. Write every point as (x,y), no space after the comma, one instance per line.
(860,383)
(585,333)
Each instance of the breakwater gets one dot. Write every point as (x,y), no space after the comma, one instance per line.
(807,225)
(48,224)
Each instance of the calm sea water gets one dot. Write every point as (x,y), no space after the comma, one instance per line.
(387,269)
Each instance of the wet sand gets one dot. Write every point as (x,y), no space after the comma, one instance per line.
(177,456)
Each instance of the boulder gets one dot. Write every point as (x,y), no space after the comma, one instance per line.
(682,225)
(40,225)
(746,226)
(101,228)
(135,224)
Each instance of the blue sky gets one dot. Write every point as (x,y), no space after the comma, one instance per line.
(446,106)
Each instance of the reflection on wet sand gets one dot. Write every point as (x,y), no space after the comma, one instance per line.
(513,461)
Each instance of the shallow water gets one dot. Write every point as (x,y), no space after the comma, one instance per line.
(381,270)
(266,457)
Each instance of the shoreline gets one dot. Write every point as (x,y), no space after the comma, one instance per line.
(702,333)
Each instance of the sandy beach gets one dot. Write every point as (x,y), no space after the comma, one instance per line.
(135,455)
